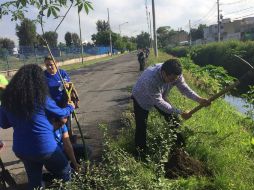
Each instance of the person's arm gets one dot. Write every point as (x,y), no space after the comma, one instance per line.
(56,112)
(158,100)
(68,149)
(186,90)
(4,122)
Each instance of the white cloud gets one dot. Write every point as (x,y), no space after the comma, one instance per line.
(174,13)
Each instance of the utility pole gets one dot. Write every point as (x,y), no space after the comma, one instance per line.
(178,36)
(120,27)
(147,19)
(218,7)
(151,36)
(80,36)
(154,32)
(190,32)
(110,38)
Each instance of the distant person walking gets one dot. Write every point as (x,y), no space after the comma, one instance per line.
(147,52)
(151,91)
(25,107)
(141,60)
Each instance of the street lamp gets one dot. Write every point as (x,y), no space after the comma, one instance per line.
(120,27)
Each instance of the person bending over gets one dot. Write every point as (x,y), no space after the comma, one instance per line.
(151,90)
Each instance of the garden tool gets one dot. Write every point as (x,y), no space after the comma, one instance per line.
(241,80)
(6,178)
(72,96)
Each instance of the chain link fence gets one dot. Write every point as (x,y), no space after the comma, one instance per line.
(10,60)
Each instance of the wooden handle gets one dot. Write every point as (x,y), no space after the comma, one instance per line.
(214,97)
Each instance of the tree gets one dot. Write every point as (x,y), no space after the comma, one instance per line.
(102,26)
(26,33)
(51,38)
(7,44)
(16,10)
(75,39)
(102,38)
(49,8)
(143,40)
(131,46)
(165,35)
(198,33)
(68,39)
(119,44)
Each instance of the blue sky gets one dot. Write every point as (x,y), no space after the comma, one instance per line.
(173,13)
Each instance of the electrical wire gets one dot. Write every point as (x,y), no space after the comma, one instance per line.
(206,15)
(238,11)
(244,16)
(233,3)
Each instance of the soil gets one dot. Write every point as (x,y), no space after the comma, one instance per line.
(181,164)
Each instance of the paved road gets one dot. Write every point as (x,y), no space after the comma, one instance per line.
(104,90)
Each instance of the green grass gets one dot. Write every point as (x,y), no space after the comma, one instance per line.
(217,135)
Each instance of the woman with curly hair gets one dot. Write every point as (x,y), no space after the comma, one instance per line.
(25,107)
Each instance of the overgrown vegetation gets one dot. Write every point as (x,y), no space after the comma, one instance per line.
(222,54)
(218,136)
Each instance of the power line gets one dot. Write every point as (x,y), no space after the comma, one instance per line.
(211,18)
(244,16)
(233,3)
(214,6)
(239,11)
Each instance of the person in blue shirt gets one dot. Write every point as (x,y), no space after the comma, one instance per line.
(74,152)
(26,106)
(54,82)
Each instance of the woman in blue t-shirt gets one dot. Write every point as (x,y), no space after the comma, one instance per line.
(54,82)
(25,107)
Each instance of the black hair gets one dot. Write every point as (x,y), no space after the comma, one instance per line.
(172,66)
(48,58)
(26,91)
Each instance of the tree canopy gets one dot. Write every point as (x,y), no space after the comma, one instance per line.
(198,33)
(165,35)
(7,43)
(102,26)
(143,40)
(75,39)
(26,33)
(16,9)
(51,38)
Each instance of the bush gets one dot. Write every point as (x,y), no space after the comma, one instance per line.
(222,54)
(178,51)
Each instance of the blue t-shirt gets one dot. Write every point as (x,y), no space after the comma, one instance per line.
(56,89)
(34,137)
(59,135)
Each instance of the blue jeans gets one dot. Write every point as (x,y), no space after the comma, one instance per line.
(56,163)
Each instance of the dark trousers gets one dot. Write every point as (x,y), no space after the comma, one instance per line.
(141,116)
(55,162)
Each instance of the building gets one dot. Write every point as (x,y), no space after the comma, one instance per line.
(237,29)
